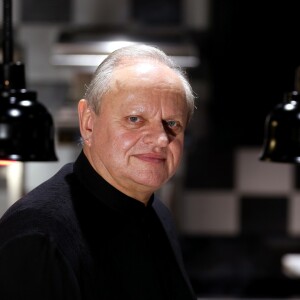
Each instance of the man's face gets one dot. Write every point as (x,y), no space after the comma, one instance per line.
(135,142)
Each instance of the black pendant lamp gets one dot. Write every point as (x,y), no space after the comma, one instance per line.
(26,127)
(282,130)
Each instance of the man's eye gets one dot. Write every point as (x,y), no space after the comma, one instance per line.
(172,123)
(133,119)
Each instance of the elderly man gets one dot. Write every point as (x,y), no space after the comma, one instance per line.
(95,230)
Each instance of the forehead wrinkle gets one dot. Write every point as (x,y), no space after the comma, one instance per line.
(135,98)
(120,85)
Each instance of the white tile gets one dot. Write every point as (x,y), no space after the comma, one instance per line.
(3,201)
(210,213)
(87,12)
(38,172)
(258,177)
(294,215)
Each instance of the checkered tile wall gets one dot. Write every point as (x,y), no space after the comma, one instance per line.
(264,199)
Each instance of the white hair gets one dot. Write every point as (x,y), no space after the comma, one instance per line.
(100,83)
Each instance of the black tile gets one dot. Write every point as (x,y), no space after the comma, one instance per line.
(297,177)
(210,166)
(157,12)
(263,215)
(46,11)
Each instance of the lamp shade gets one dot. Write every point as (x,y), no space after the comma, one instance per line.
(282,131)
(26,128)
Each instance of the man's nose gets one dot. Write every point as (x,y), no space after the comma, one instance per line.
(157,136)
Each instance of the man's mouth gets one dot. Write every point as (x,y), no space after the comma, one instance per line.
(151,157)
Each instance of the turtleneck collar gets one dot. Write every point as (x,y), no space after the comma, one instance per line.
(105,192)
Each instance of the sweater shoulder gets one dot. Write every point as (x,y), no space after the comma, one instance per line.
(49,194)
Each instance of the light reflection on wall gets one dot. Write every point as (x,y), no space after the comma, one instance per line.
(11,184)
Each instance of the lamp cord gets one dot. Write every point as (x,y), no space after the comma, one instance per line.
(7,32)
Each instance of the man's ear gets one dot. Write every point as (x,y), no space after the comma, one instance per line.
(85,115)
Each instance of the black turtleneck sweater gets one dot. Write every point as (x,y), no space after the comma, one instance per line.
(77,237)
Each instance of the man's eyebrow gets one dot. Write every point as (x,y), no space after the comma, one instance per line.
(177,116)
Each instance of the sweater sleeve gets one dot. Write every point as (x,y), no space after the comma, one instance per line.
(31,267)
